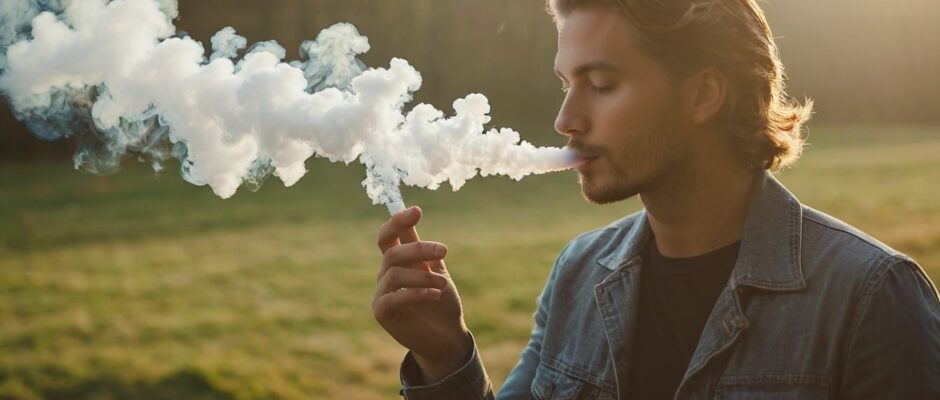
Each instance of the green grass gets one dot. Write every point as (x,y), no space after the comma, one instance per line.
(145,287)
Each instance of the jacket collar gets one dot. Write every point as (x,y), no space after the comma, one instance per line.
(769,255)
(622,251)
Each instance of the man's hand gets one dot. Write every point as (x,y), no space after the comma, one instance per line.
(416,301)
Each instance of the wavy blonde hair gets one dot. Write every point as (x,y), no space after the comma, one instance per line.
(733,36)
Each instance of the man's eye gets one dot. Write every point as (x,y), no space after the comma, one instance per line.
(603,89)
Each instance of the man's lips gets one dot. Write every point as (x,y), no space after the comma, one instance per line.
(584,161)
(583,158)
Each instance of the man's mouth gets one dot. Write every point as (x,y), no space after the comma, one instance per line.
(585,161)
(584,156)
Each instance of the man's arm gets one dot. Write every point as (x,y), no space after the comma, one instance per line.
(894,350)
(416,301)
(471,380)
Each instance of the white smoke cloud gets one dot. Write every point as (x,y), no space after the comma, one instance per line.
(112,74)
(226,43)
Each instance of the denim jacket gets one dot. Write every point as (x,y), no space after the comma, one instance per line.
(814,309)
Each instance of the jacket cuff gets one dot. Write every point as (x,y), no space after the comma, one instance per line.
(468,382)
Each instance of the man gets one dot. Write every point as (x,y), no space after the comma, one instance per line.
(725,286)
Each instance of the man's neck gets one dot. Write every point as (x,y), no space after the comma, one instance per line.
(700,210)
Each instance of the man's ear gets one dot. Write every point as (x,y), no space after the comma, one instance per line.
(706,91)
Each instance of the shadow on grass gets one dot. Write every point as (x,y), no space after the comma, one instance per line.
(187,384)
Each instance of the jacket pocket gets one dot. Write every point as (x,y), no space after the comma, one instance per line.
(552,384)
(782,387)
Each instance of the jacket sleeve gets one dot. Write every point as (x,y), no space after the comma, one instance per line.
(469,382)
(894,348)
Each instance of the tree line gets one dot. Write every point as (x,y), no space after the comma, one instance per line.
(863,61)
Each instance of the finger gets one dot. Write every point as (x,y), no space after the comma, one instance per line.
(413,253)
(435,266)
(399,229)
(398,277)
(414,256)
(389,304)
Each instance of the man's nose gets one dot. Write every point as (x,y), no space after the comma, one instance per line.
(571,120)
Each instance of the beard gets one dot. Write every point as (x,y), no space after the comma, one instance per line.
(644,163)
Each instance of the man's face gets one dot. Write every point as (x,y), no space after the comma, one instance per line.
(620,109)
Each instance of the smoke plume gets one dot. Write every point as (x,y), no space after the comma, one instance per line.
(116,77)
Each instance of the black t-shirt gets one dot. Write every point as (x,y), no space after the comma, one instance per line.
(676,297)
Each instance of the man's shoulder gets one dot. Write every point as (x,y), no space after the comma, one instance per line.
(831,247)
(883,286)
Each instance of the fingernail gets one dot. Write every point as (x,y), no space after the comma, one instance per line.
(415,212)
(433,293)
(439,250)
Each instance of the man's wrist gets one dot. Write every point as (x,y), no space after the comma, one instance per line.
(433,371)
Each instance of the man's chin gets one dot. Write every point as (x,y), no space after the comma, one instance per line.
(605,193)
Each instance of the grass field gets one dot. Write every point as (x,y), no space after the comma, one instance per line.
(141,287)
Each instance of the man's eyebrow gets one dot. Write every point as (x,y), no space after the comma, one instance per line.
(587,68)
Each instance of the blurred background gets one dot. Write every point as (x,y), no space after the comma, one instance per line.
(139,285)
